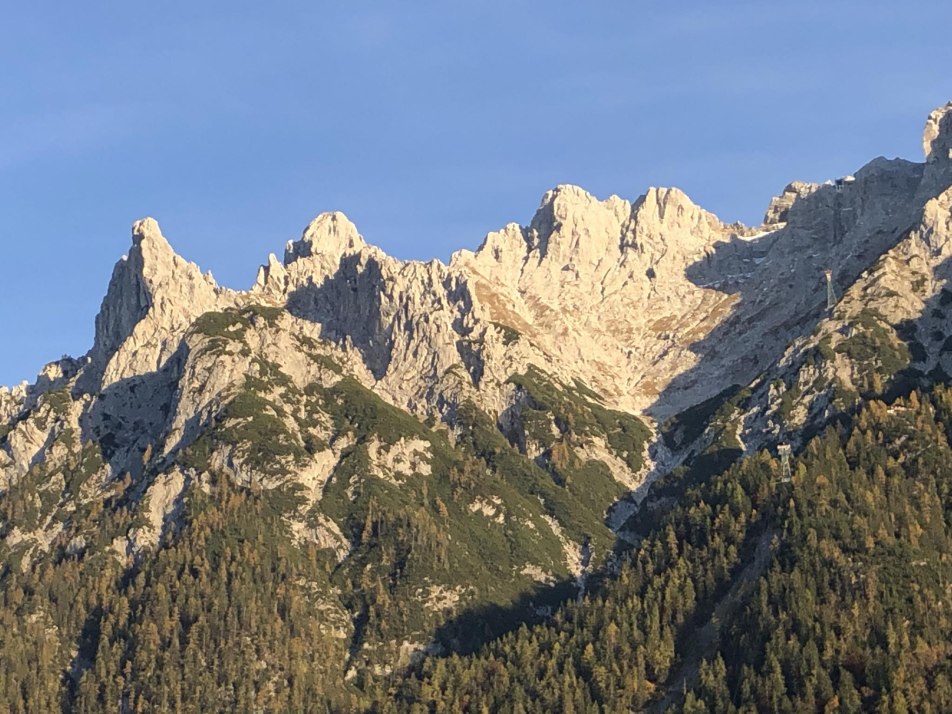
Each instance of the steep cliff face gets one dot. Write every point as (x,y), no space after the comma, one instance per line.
(652,303)
(153,296)
(655,304)
(477,422)
(889,331)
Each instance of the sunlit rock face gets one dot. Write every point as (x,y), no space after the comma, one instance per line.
(153,296)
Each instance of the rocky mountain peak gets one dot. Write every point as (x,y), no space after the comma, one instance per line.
(353,411)
(937,136)
(571,223)
(146,230)
(331,234)
(566,199)
(662,203)
(779,209)
(153,295)
(937,144)
(669,215)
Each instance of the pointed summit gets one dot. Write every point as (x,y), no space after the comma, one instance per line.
(571,223)
(151,284)
(937,136)
(668,220)
(146,230)
(129,295)
(937,145)
(670,208)
(331,234)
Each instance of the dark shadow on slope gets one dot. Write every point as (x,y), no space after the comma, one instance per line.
(924,357)
(86,648)
(131,416)
(775,303)
(892,360)
(777,299)
(477,627)
(927,342)
(471,629)
(348,307)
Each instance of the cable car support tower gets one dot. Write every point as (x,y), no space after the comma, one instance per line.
(830,292)
(784,451)
(838,187)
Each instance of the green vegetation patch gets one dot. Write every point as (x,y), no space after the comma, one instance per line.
(59,401)
(510,335)
(228,324)
(874,347)
(827,594)
(685,427)
(578,412)
(479,437)
(256,426)
(354,408)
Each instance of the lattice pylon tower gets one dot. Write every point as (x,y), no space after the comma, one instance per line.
(784,451)
(830,293)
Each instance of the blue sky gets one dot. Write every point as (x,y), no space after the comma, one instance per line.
(428,123)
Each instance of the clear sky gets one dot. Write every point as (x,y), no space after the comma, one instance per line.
(428,123)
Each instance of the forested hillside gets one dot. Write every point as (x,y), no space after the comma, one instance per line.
(235,609)
(830,593)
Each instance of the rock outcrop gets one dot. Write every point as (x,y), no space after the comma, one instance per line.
(937,137)
(153,297)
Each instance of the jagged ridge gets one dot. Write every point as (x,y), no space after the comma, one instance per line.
(418,424)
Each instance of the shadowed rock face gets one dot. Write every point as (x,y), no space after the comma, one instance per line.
(654,303)
(889,330)
(937,145)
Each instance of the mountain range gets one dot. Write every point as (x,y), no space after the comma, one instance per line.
(310,494)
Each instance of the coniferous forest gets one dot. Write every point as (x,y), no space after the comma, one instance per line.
(827,594)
